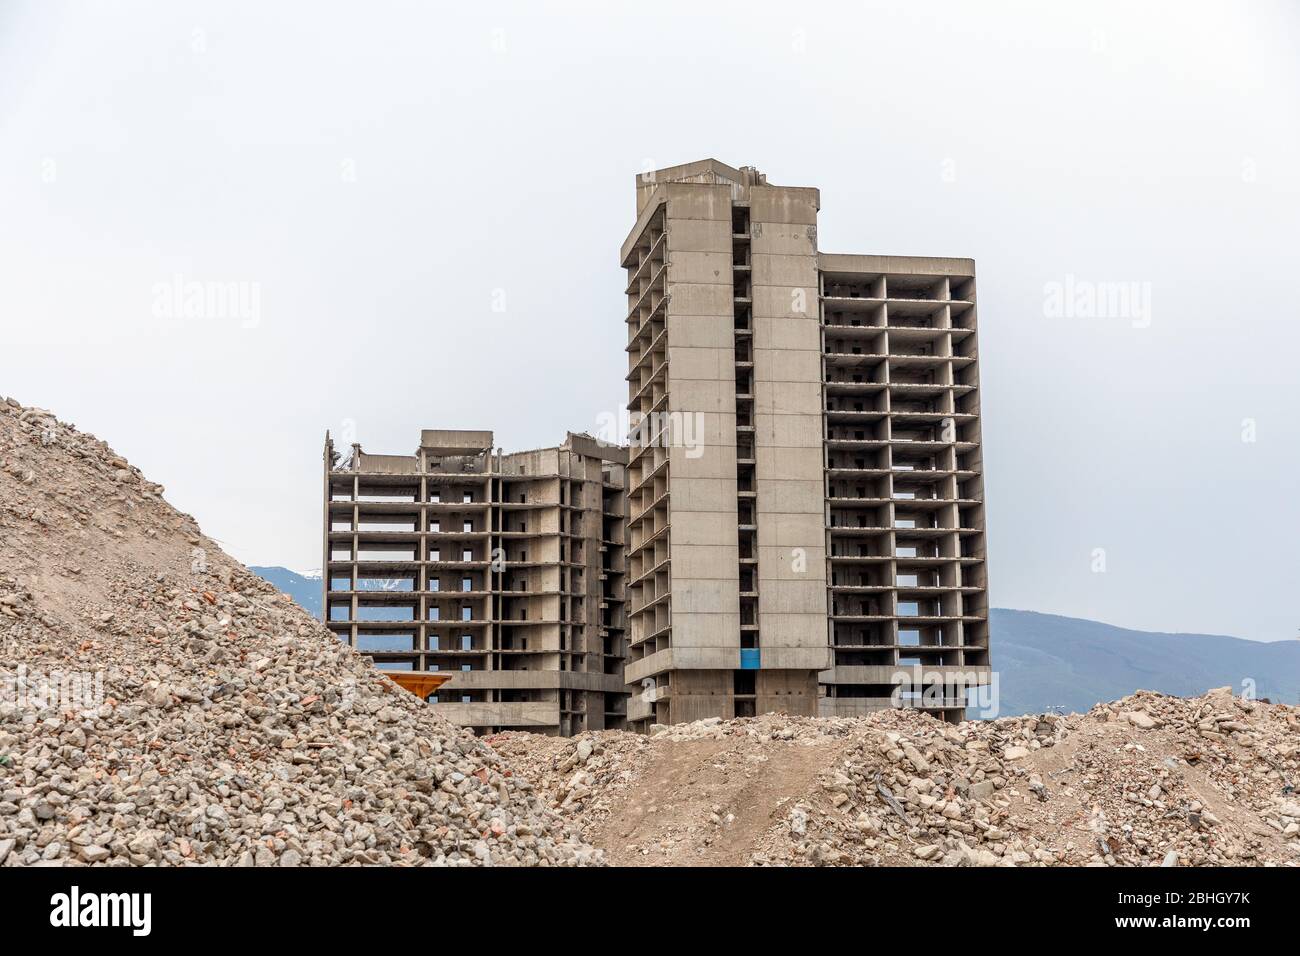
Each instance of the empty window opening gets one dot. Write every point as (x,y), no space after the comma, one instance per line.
(386,554)
(385,584)
(403,524)
(385,643)
(399,612)
(386,496)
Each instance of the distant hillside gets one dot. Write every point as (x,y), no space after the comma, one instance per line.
(1050,662)
(305,590)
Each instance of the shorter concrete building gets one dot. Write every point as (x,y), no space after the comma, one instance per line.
(507,569)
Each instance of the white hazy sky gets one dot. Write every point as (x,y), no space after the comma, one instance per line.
(376,171)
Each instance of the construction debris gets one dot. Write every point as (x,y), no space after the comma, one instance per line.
(1189,782)
(160,704)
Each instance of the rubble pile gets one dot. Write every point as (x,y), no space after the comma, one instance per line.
(1149,780)
(160,704)
(580,776)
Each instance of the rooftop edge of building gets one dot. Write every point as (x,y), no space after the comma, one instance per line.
(857,264)
(438,444)
(455,441)
(713,172)
(705,173)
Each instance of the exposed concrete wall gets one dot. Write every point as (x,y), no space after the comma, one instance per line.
(702,389)
(455,441)
(788,437)
(697,694)
(705,171)
(898,265)
(788,691)
(387,464)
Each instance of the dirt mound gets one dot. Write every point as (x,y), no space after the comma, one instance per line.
(1144,781)
(161,704)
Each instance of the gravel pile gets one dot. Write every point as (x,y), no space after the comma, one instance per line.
(1146,781)
(160,704)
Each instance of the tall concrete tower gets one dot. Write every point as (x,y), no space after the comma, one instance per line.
(804,486)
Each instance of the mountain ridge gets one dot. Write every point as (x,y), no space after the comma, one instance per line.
(1050,662)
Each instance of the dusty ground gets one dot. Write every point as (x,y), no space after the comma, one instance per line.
(702,780)
(1149,780)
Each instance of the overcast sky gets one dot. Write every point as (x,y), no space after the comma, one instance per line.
(421,205)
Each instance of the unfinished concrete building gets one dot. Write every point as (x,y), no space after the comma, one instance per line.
(806,518)
(506,569)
